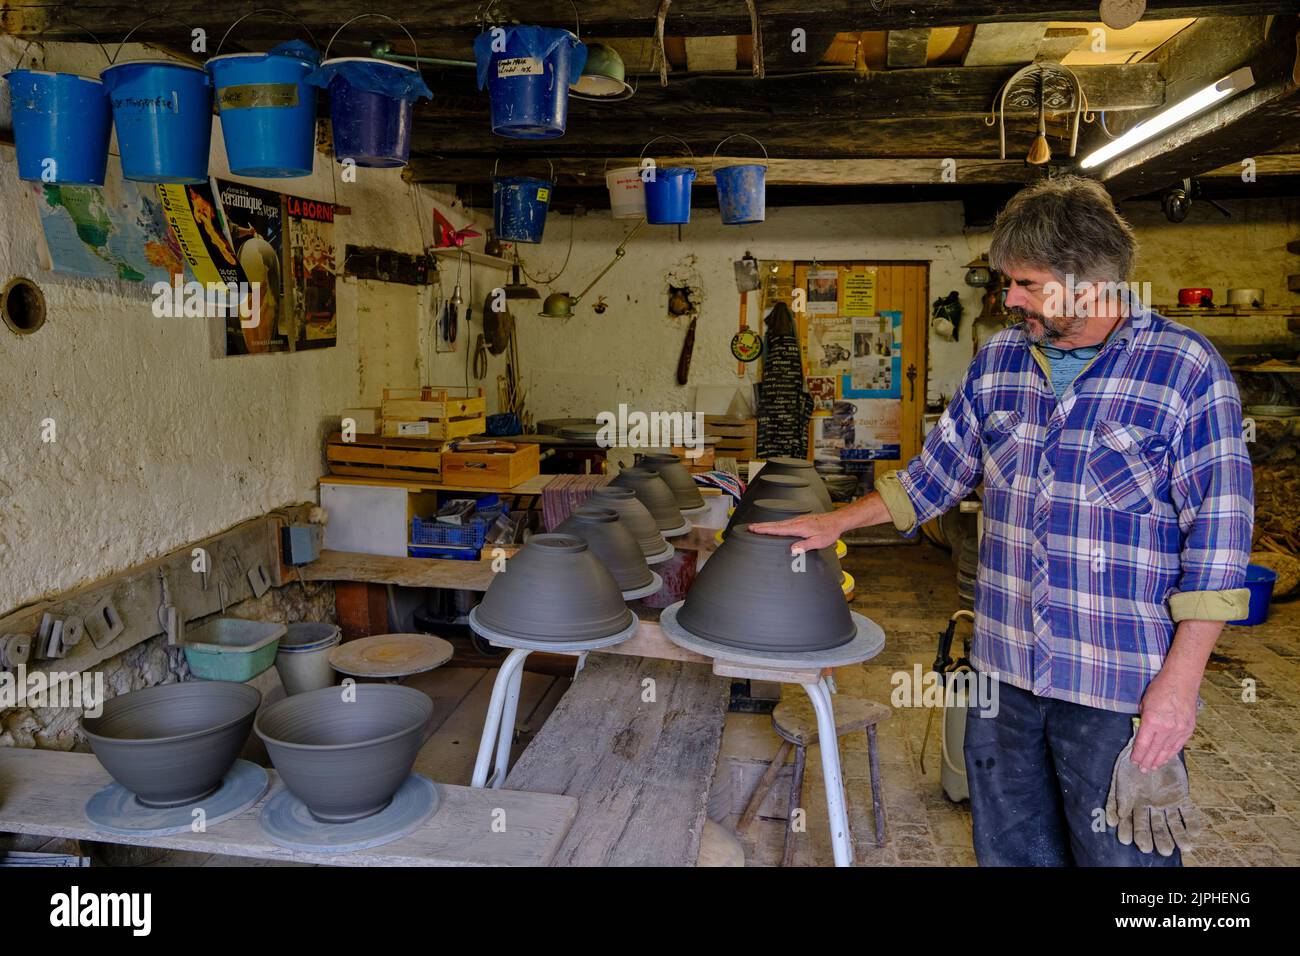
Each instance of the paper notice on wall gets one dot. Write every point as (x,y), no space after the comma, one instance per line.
(254,227)
(822,390)
(823,292)
(869,428)
(874,348)
(309,292)
(830,345)
(860,293)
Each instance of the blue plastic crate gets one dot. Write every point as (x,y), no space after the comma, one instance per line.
(452,553)
(469,535)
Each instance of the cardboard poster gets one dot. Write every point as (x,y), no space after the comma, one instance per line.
(254,227)
(861,429)
(823,291)
(830,345)
(822,390)
(309,257)
(877,357)
(859,293)
(196,222)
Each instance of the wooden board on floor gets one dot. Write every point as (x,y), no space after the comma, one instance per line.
(641,770)
(45,792)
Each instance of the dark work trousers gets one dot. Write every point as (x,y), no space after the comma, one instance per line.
(1039,774)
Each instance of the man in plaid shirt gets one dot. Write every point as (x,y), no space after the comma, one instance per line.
(1117,514)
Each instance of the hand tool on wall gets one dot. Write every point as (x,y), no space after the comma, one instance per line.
(688,347)
(745,344)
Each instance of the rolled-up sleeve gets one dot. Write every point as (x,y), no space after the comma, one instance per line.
(1212,488)
(949,466)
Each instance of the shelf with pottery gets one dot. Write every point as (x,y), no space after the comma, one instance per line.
(44,793)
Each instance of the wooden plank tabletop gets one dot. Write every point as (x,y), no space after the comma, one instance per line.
(533,486)
(44,792)
(473,575)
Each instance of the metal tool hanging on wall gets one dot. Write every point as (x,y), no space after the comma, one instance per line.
(746,344)
(1043,88)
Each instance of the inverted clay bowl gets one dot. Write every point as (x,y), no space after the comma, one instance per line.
(782,487)
(554,589)
(612,543)
(633,515)
(800,468)
(172,744)
(654,493)
(783,509)
(345,757)
(677,477)
(749,595)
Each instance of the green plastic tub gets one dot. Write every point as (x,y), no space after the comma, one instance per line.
(230,648)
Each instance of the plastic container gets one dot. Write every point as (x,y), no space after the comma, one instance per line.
(163,115)
(303,657)
(519,205)
(668,196)
(470,535)
(230,648)
(267,111)
(626,192)
(62,123)
(528,78)
(742,188)
(1259,581)
(371,128)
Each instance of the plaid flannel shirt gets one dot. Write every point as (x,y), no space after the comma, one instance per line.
(1108,515)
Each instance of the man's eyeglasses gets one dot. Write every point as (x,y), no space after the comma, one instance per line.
(1083,352)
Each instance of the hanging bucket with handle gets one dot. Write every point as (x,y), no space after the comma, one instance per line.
(62,123)
(742,188)
(528,71)
(626,192)
(162,111)
(519,205)
(668,189)
(371,103)
(266,106)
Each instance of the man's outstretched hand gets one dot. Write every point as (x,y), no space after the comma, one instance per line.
(814,531)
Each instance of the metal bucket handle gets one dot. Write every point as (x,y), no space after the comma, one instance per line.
(483,12)
(694,163)
(548,163)
(714,161)
(361,16)
(165,16)
(40,36)
(276,10)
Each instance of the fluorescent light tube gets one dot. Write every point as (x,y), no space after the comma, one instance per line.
(1232,84)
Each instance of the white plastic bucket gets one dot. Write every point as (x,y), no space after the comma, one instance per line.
(626,192)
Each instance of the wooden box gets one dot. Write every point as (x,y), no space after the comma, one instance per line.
(377,456)
(737,437)
(438,431)
(485,470)
(702,463)
(433,402)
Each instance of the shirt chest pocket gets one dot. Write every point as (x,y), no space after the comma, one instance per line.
(1127,467)
(1002,446)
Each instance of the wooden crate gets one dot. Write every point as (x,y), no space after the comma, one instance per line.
(433,412)
(377,456)
(696,465)
(424,429)
(485,470)
(737,437)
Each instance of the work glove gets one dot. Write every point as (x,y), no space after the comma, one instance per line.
(1153,810)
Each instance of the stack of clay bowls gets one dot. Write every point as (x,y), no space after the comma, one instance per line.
(778,487)
(658,498)
(800,468)
(635,517)
(610,541)
(172,744)
(751,595)
(679,480)
(303,657)
(778,509)
(554,590)
(344,756)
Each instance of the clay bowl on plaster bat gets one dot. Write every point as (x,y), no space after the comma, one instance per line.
(345,751)
(554,589)
(172,744)
(749,594)
(612,543)
(634,516)
(654,493)
(800,468)
(677,477)
(782,487)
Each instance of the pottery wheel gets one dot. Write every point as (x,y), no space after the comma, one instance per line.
(115,809)
(506,640)
(390,655)
(684,528)
(652,588)
(287,822)
(662,556)
(866,644)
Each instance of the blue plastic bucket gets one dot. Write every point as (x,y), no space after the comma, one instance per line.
(163,115)
(62,124)
(668,195)
(530,98)
(371,129)
(1259,581)
(742,193)
(268,113)
(519,205)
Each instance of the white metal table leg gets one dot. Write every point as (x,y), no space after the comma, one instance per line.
(829,744)
(506,734)
(492,725)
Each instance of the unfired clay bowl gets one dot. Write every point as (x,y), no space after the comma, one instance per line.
(800,468)
(634,516)
(554,589)
(612,543)
(782,509)
(172,744)
(782,487)
(655,494)
(345,756)
(675,474)
(749,595)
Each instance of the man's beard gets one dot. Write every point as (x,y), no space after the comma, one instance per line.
(1050,329)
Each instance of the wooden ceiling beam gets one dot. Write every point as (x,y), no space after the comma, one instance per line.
(907,49)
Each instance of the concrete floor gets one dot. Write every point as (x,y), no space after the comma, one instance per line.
(1244,759)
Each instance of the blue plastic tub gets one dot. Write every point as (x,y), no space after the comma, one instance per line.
(668,195)
(530,94)
(519,205)
(1259,581)
(742,193)
(62,123)
(373,129)
(163,115)
(268,113)
(469,535)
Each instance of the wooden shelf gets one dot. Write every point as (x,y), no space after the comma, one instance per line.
(533,486)
(478,258)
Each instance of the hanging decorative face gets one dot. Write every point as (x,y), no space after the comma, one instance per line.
(746,345)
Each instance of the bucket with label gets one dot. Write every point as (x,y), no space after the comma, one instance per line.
(742,187)
(626,192)
(519,206)
(668,188)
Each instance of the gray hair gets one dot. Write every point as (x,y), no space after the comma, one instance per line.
(1068,226)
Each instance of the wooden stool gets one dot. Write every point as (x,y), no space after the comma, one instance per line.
(795,723)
